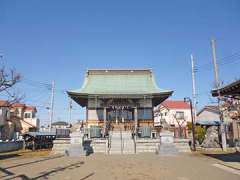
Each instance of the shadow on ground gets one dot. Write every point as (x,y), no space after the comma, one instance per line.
(33,162)
(42,175)
(229,157)
(7,156)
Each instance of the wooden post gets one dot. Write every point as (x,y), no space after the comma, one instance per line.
(135,128)
(136,120)
(104,120)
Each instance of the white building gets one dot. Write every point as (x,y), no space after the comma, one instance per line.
(173,112)
(26,115)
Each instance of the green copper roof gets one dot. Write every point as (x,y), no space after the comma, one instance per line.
(103,82)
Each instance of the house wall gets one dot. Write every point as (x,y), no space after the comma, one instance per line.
(3,115)
(168,116)
(28,123)
(31,122)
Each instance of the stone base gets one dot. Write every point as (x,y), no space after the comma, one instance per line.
(167,146)
(168,149)
(166,137)
(76,150)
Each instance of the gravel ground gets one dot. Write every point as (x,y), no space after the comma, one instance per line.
(114,167)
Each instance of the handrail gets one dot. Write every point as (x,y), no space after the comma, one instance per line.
(135,145)
(121,140)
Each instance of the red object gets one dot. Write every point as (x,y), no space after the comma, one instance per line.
(176,104)
(18,105)
(4,103)
(30,108)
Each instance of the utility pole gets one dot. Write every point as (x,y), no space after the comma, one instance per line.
(52,105)
(194,97)
(217,86)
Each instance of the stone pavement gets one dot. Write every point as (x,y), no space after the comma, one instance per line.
(145,166)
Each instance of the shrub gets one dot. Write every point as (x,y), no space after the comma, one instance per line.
(189,126)
(200,134)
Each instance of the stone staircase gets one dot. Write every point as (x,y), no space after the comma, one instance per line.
(121,142)
(99,145)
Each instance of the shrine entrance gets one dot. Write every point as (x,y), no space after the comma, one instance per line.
(120,119)
(120,114)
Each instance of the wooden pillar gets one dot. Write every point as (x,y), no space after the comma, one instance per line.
(135,128)
(104,120)
(135,120)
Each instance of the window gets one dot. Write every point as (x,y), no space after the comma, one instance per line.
(179,115)
(27,115)
(145,113)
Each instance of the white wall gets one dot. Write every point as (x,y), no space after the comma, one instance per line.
(169,117)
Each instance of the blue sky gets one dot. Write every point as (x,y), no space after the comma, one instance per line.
(59,40)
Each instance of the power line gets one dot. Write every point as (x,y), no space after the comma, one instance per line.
(209,67)
(221,60)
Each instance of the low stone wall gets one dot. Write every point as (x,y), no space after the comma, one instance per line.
(60,145)
(10,146)
(99,145)
(147,145)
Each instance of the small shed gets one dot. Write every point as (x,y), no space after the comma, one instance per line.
(39,140)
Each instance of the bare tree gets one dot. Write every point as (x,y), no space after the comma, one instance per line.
(181,121)
(8,79)
(232,107)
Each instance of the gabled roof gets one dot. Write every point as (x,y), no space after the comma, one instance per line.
(119,82)
(17,105)
(31,108)
(176,104)
(4,103)
(26,108)
(211,108)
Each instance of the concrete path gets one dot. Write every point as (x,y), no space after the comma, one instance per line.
(146,166)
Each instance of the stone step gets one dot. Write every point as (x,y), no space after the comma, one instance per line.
(76,151)
(168,149)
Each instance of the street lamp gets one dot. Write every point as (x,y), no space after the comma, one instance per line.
(187,99)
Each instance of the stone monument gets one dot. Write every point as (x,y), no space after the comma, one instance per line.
(211,139)
(167,146)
